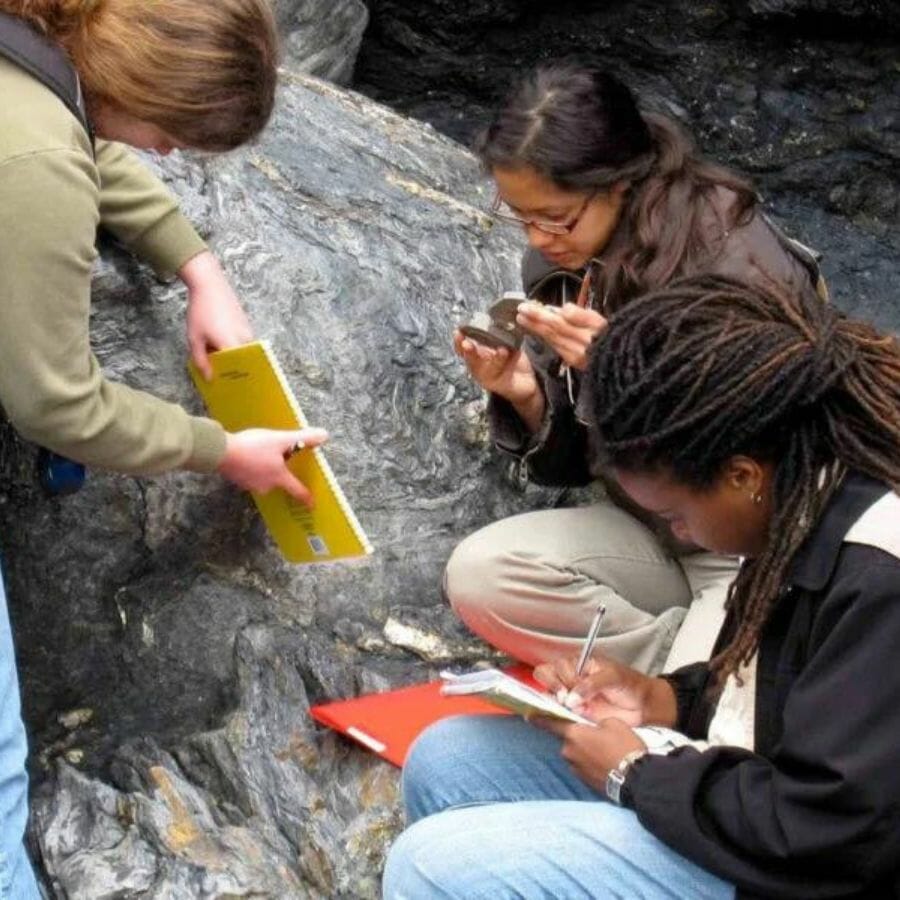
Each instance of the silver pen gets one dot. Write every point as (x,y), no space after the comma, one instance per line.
(590,640)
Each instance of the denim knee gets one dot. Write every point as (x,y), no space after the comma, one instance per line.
(415,867)
(424,769)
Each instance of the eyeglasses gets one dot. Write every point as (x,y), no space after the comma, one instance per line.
(499,210)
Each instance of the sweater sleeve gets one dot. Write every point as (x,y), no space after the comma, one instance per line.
(820,816)
(51,385)
(138,209)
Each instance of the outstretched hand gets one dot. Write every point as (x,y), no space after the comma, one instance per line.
(508,373)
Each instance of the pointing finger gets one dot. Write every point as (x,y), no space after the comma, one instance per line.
(297,489)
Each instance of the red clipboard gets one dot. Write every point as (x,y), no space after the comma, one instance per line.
(387,723)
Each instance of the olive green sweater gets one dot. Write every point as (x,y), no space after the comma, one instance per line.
(53,196)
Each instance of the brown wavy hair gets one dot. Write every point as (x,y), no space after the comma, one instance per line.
(707,369)
(581,128)
(203,72)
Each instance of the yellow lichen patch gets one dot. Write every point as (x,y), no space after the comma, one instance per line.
(299,749)
(75,718)
(270,170)
(183,831)
(379,788)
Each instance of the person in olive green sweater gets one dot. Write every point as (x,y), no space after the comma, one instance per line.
(172,74)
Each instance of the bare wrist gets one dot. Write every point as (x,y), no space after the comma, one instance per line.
(197,268)
(224,462)
(531,410)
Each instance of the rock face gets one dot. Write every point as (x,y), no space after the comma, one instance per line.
(875,11)
(801,95)
(322,37)
(168,655)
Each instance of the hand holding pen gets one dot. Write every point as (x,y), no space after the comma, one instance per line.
(598,687)
(571,698)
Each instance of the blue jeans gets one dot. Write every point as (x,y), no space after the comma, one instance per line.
(17,881)
(496,813)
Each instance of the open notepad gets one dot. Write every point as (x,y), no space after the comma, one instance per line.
(249,390)
(509,693)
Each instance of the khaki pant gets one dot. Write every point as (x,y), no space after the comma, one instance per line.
(530,584)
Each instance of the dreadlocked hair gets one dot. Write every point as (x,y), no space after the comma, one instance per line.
(690,376)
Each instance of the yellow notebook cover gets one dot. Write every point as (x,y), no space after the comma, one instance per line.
(248,390)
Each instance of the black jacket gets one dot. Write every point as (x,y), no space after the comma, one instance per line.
(815,811)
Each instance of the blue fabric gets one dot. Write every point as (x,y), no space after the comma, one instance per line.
(17,881)
(496,813)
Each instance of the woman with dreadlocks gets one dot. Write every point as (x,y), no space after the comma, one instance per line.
(757,424)
(614,201)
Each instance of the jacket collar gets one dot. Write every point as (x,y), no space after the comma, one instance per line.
(815,560)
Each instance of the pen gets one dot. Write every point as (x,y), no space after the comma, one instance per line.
(590,640)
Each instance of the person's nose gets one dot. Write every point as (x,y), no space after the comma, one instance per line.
(538,239)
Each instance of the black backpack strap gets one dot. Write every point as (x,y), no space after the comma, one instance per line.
(40,57)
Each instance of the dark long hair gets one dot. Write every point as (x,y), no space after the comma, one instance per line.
(581,128)
(690,376)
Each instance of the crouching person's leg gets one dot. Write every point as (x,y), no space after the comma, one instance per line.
(530,584)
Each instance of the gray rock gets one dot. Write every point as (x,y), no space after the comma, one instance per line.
(852,10)
(801,95)
(168,654)
(322,37)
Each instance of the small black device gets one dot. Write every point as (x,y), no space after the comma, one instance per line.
(497,326)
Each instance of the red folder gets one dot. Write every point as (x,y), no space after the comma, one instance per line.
(388,723)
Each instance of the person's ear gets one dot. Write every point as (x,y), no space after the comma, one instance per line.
(747,476)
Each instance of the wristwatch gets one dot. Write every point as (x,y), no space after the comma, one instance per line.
(616,777)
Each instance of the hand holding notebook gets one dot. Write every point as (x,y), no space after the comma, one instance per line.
(249,390)
(256,459)
(511,694)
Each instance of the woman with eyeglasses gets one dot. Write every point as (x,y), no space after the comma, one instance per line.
(613,201)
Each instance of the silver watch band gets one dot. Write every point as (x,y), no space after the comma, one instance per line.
(616,777)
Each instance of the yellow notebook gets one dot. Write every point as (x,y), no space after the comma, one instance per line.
(249,390)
